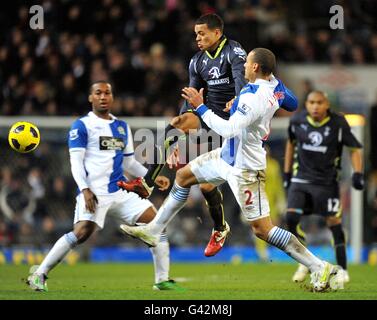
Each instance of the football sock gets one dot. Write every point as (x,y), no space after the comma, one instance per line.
(214,202)
(340,245)
(288,242)
(160,151)
(161,259)
(58,252)
(171,206)
(293,224)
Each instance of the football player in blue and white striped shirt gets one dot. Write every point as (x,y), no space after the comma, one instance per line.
(241,162)
(101,149)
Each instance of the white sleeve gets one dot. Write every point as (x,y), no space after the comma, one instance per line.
(129,149)
(76,156)
(130,164)
(244,115)
(134,167)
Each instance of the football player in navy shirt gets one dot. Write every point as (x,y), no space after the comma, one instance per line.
(219,68)
(312,163)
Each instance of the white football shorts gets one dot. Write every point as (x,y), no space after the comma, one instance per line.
(127,206)
(248,186)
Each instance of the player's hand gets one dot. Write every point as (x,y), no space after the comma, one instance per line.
(173,159)
(287,180)
(228,105)
(162,182)
(90,200)
(175,121)
(193,96)
(358,180)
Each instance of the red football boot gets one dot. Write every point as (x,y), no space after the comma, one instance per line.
(139,186)
(216,242)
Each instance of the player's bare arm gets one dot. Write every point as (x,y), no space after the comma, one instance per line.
(356,160)
(288,157)
(357,165)
(288,161)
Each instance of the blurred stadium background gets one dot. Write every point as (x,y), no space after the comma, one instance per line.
(143,49)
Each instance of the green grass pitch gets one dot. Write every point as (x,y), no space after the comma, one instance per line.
(206,281)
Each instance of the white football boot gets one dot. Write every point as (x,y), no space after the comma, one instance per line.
(325,278)
(143,233)
(301,273)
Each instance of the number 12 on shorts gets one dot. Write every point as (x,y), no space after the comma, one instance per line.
(332,204)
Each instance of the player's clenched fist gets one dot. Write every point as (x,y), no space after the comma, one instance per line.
(163,183)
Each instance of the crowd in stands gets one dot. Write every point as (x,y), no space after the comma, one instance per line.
(143,47)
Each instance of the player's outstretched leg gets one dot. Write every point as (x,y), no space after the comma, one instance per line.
(322,272)
(150,233)
(293,220)
(214,202)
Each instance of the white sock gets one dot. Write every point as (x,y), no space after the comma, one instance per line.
(287,242)
(58,252)
(171,206)
(161,259)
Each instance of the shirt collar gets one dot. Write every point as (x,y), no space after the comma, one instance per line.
(260,81)
(93,115)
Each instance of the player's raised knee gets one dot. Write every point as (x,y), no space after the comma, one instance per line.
(185,178)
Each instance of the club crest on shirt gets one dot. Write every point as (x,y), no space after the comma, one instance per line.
(121,130)
(214,72)
(315,138)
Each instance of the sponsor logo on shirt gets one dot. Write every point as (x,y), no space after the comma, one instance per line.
(309,147)
(218,81)
(111,143)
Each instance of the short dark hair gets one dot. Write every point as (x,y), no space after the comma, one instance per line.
(212,20)
(96,82)
(322,93)
(266,60)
